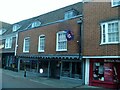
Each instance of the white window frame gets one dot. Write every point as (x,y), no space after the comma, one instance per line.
(57,41)
(2,31)
(25,44)
(15,27)
(69,14)
(36,24)
(8,43)
(106,32)
(113,3)
(39,44)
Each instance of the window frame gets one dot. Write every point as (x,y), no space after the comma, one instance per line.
(39,43)
(25,44)
(117,4)
(69,14)
(106,33)
(15,27)
(35,24)
(57,41)
(9,42)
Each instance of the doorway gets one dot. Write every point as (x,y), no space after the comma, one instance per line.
(55,69)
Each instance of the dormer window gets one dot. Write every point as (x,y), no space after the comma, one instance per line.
(2,31)
(16,27)
(115,3)
(69,14)
(36,24)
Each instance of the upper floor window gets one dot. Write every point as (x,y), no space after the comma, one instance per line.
(2,31)
(110,32)
(26,45)
(70,14)
(61,44)
(115,3)
(41,44)
(15,27)
(36,24)
(8,42)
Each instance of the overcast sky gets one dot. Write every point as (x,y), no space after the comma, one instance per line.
(12,11)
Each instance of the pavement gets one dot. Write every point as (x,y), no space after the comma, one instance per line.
(56,83)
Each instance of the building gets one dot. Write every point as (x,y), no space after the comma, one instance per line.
(7,45)
(78,43)
(51,42)
(102,43)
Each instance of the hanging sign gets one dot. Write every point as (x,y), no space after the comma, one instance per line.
(69,35)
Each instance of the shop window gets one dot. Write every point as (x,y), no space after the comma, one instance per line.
(98,71)
(66,69)
(103,71)
(76,70)
(72,70)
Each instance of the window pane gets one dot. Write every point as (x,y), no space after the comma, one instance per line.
(62,42)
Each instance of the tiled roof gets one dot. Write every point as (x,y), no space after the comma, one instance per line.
(47,17)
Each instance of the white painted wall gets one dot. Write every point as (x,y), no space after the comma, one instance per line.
(87,69)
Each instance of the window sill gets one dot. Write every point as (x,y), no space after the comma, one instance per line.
(41,51)
(61,50)
(25,51)
(111,43)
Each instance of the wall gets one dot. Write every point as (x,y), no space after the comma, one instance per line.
(94,13)
(50,37)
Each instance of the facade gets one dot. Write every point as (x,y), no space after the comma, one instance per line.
(78,43)
(51,43)
(102,43)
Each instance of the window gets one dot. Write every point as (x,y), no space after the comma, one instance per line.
(104,71)
(2,31)
(61,41)
(8,43)
(115,3)
(110,32)
(72,70)
(16,27)
(26,44)
(70,14)
(41,44)
(36,24)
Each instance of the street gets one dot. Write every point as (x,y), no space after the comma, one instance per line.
(15,82)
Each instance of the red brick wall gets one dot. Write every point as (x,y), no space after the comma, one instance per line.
(94,13)
(50,37)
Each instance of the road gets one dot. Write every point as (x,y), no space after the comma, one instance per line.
(17,82)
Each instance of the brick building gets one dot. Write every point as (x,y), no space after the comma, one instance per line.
(51,42)
(102,43)
(78,43)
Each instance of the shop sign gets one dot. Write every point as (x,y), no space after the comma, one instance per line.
(111,60)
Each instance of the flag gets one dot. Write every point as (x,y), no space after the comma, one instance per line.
(69,35)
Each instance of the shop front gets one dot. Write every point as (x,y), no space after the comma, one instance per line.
(105,73)
(72,71)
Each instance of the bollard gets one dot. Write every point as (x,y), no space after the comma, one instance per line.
(25,73)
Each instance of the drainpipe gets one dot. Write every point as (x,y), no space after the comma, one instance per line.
(16,45)
(80,38)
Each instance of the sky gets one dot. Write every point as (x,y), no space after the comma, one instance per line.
(12,11)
